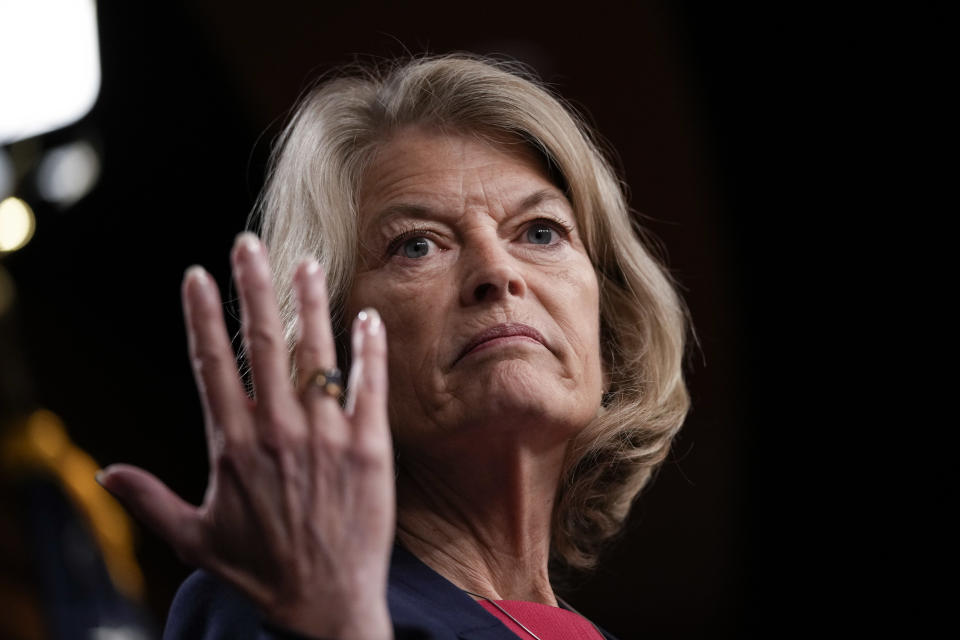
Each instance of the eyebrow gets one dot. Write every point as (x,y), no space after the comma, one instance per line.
(411,210)
(403,209)
(540,197)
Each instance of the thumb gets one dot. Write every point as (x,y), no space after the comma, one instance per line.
(156,506)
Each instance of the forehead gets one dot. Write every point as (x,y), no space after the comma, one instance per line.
(430,169)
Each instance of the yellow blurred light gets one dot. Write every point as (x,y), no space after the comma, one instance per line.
(16,224)
(41,446)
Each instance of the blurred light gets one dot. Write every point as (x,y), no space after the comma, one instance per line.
(50,76)
(16,224)
(6,174)
(118,633)
(67,173)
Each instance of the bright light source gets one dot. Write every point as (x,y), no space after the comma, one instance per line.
(67,173)
(50,74)
(16,224)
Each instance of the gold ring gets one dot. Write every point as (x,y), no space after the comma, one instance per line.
(329,380)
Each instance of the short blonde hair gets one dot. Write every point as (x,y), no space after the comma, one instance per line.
(309,207)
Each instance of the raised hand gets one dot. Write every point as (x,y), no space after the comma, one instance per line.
(299,510)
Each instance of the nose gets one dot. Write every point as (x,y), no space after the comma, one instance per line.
(490,273)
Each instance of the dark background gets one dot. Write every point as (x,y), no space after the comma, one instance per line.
(733,128)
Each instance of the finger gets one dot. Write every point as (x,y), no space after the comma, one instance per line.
(315,348)
(156,506)
(211,356)
(367,400)
(262,330)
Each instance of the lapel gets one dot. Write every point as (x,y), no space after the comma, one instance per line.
(420,597)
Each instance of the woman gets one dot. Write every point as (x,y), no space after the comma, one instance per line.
(534,371)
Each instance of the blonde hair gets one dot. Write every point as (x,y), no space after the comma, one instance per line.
(309,207)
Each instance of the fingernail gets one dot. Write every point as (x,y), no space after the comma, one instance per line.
(248,242)
(98,476)
(370,320)
(195,273)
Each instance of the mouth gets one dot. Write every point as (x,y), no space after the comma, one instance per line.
(500,333)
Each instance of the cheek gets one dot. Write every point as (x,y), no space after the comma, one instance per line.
(576,290)
(579,320)
(404,309)
(413,311)
(405,300)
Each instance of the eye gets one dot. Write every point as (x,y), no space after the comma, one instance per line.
(545,232)
(415,247)
(540,234)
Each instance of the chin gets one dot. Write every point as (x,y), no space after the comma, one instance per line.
(517,394)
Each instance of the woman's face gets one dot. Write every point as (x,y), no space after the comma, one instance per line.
(473,258)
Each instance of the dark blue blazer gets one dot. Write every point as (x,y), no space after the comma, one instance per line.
(423,605)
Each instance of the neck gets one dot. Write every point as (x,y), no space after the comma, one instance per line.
(483,519)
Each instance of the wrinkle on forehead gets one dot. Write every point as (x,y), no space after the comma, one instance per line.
(388,176)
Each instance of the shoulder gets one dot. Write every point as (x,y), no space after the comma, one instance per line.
(207,608)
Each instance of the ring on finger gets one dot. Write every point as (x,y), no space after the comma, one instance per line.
(330,381)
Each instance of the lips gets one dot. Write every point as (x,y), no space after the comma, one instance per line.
(505,330)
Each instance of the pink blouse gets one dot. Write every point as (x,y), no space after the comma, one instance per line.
(549,623)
